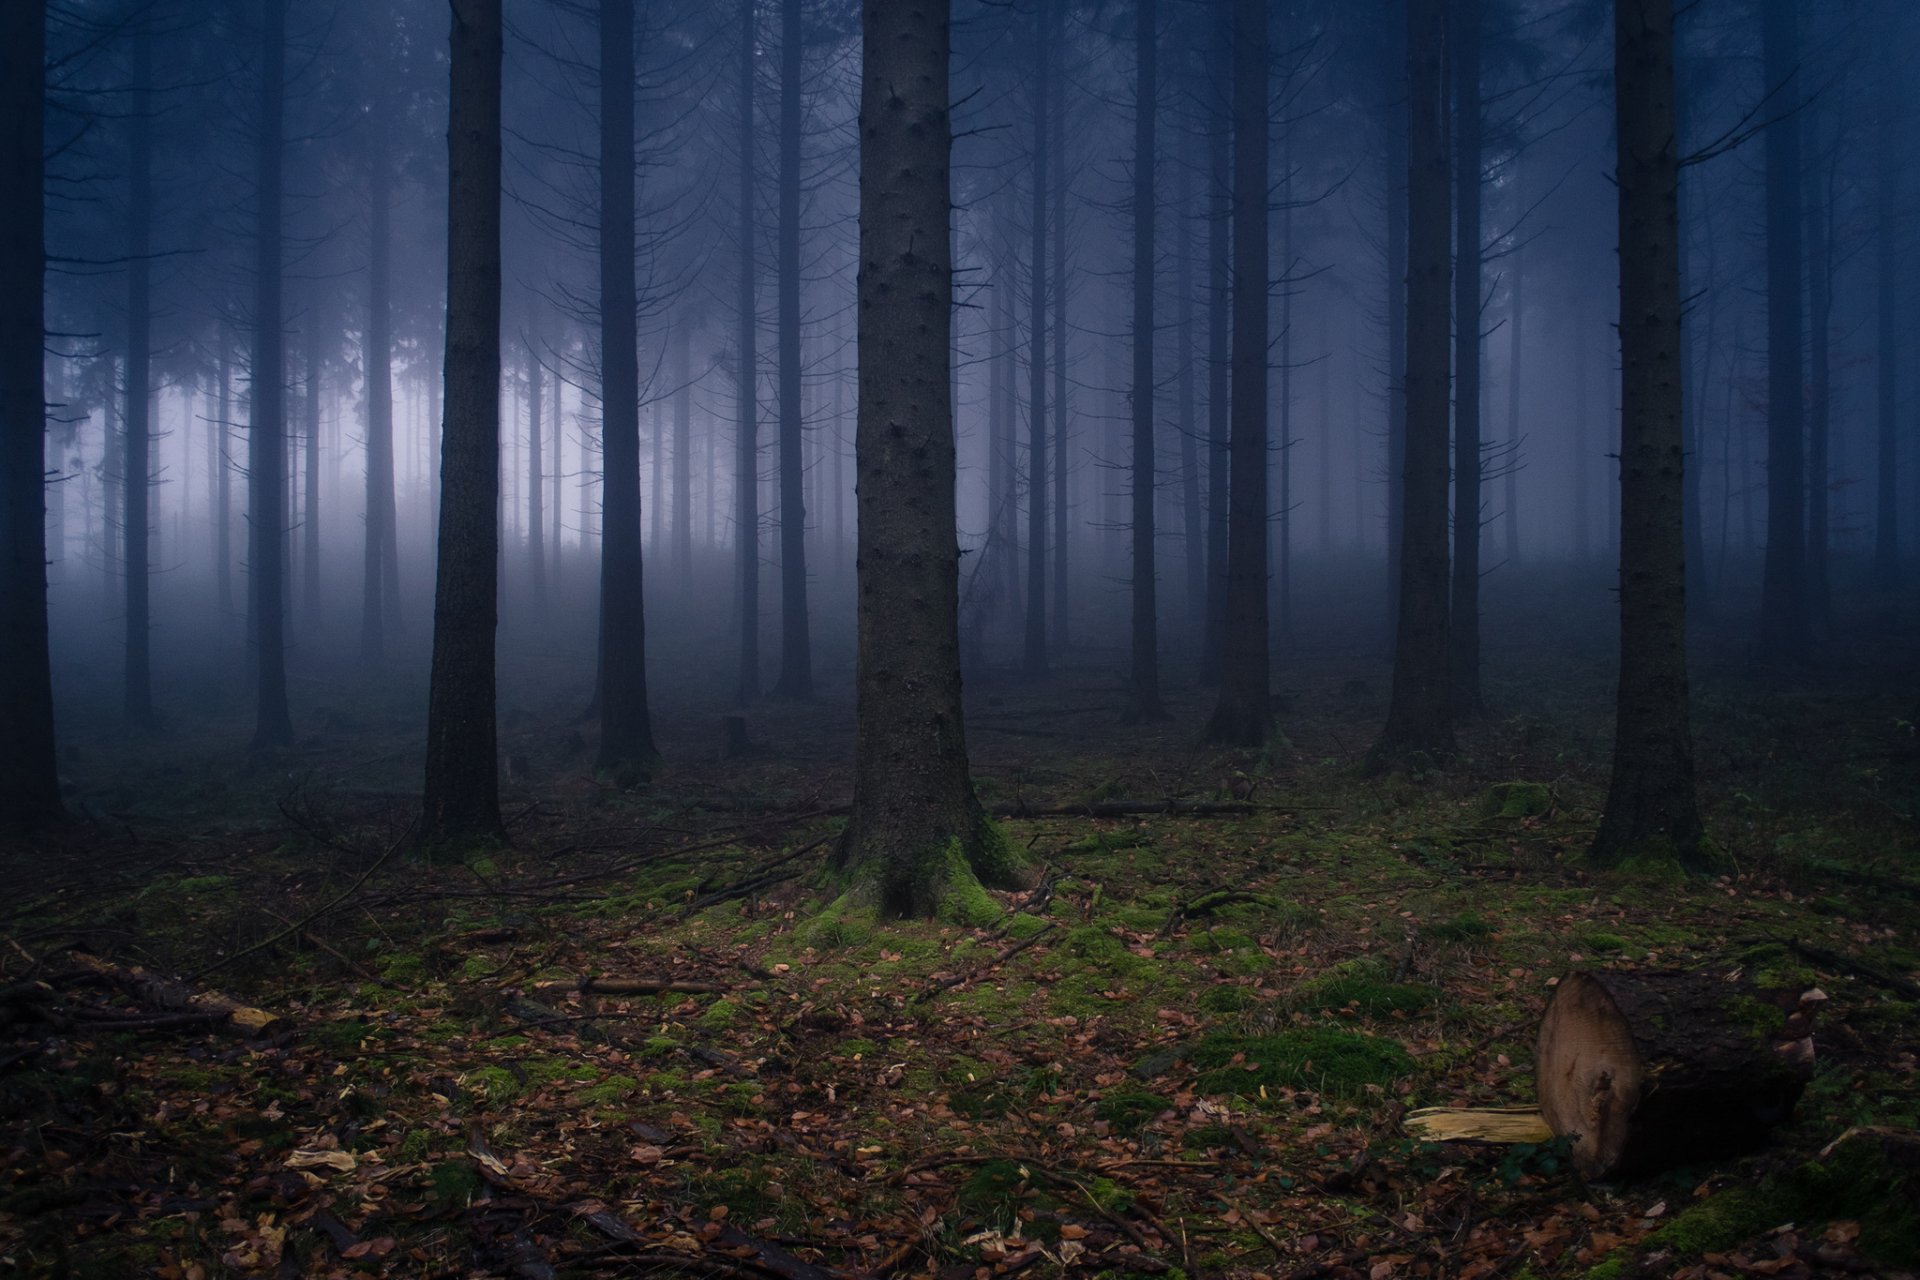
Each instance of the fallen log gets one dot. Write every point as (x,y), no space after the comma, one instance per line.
(165,993)
(1647,1070)
(633,987)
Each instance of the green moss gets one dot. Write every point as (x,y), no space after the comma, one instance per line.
(1096,945)
(495,1084)
(405,969)
(1599,942)
(415,1147)
(453,1184)
(965,901)
(478,968)
(1460,929)
(1364,985)
(338,1038)
(1224,939)
(1340,1063)
(1128,1111)
(1517,800)
(1772,966)
(993,1193)
(720,1015)
(1227,998)
(609,1091)
(1024,926)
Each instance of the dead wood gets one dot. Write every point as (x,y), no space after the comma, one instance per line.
(960,979)
(634,987)
(177,998)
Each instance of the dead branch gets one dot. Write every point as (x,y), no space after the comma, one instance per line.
(960,979)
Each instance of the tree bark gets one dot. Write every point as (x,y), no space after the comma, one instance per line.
(1193,514)
(1886,207)
(683,453)
(1645,1070)
(1821,230)
(1057,74)
(29,782)
(379,566)
(1784,634)
(1034,661)
(1241,716)
(1219,366)
(462,799)
(626,726)
(1397,197)
(1516,351)
(266,426)
(796,656)
(916,824)
(1651,809)
(536,498)
(137,476)
(1464,620)
(1419,724)
(310,593)
(746,479)
(1143,701)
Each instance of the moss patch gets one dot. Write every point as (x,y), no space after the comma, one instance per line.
(1340,1063)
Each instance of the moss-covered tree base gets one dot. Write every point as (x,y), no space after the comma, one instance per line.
(923,874)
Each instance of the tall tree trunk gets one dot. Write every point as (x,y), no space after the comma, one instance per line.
(1784,635)
(746,483)
(1516,351)
(1397,215)
(1464,623)
(796,656)
(1651,809)
(462,800)
(113,485)
(223,512)
(1582,442)
(1057,51)
(379,567)
(1193,515)
(559,494)
(916,826)
(683,453)
(266,426)
(1010,437)
(1282,521)
(1035,656)
(1419,724)
(536,498)
(1219,366)
(1144,698)
(626,726)
(310,506)
(1886,209)
(998,489)
(1242,716)
(1820,226)
(138,474)
(29,781)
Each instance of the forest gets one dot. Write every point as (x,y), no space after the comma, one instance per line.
(559,558)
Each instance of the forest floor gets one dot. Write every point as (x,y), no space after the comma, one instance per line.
(1187,1050)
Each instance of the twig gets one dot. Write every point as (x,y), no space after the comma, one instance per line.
(311,916)
(948,984)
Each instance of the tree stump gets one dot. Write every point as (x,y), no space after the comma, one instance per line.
(1646,1070)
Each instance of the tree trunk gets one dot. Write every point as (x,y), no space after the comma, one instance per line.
(1143,701)
(916,826)
(379,566)
(1397,214)
(266,426)
(1516,351)
(746,480)
(626,727)
(136,474)
(1241,716)
(1057,51)
(463,774)
(29,783)
(1887,230)
(1193,515)
(310,505)
(1219,366)
(796,656)
(113,484)
(683,453)
(536,499)
(1650,1069)
(1282,520)
(1419,724)
(223,515)
(1035,656)
(1784,635)
(1821,228)
(1651,810)
(1464,620)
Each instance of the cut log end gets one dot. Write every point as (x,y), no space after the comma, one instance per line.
(1647,1070)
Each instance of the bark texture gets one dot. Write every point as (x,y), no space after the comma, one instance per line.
(380,561)
(1464,613)
(626,724)
(1034,653)
(266,425)
(746,463)
(463,783)
(1651,808)
(1143,702)
(1241,716)
(1419,716)
(796,655)
(1650,1069)
(915,823)
(29,783)
(136,475)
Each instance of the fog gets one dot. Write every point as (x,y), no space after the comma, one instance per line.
(745,227)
